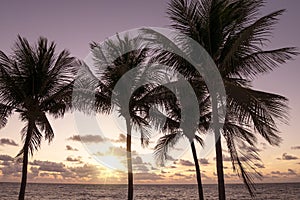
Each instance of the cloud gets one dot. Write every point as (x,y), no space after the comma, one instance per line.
(69,148)
(97,138)
(85,171)
(185,176)
(295,147)
(122,138)
(6,163)
(191,170)
(226,176)
(137,160)
(49,166)
(179,174)
(76,138)
(115,151)
(9,167)
(139,165)
(275,172)
(185,163)
(70,159)
(120,154)
(289,172)
(52,169)
(87,138)
(225,158)
(286,156)
(147,177)
(13,169)
(6,141)
(34,170)
(141,168)
(204,161)
(48,170)
(44,174)
(6,158)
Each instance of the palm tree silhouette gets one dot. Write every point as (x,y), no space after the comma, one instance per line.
(113,62)
(233,34)
(168,141)
(170,125)
(35,82)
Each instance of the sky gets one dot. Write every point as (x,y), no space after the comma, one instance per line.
(73,25)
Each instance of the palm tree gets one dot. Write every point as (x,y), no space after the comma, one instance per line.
(234,36)
(168,141)
(171,126)
(113,61)
(34,83)
(169,123)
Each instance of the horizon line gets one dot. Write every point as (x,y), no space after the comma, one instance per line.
(57,183)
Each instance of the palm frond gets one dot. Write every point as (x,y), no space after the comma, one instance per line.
(10,89)
(199,140)
(5,112)
(259,109)
(185,16)
(242,163)
(169,53)
(34,137)
(145,133)
(163,145)
(261,62)
(45,127)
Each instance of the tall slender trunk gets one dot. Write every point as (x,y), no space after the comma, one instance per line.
(220,172)
(25,162)
(219,157)
(198,174)
(129,160)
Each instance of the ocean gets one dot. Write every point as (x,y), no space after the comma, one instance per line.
(9,191)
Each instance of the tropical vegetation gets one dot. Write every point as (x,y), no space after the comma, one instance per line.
(35,83)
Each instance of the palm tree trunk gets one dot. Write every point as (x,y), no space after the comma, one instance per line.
(198,174)
(25,162)
(220,172)
(219,156)
(129,160)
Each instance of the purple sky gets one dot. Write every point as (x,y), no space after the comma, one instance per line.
(74,24)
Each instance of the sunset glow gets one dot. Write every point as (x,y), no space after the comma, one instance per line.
(68,160)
